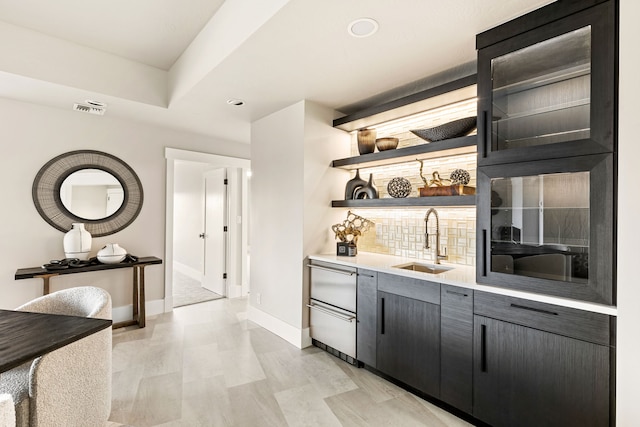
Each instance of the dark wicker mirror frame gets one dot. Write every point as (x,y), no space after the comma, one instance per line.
(46,191)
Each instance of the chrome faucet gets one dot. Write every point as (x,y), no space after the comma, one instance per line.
(438,257)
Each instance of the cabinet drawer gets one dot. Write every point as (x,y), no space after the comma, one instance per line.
(570,322)
(421,290)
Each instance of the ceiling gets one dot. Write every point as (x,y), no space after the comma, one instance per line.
(166,64)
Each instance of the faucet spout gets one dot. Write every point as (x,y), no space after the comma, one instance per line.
(438,256)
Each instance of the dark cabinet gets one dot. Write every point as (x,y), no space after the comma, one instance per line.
(539,365)
(366,332)
(550,91)
(547,227)
(456,347)
(409,341)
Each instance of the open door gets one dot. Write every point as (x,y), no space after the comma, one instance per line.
(215,235)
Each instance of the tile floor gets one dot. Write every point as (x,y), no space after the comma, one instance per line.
(206,365)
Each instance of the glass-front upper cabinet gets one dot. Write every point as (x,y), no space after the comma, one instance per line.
(549,92)
(546,227)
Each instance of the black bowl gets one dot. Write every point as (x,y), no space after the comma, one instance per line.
(454,129)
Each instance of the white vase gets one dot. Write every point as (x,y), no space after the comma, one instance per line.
(111,253)
(77,242)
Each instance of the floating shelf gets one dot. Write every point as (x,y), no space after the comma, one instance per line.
(406,202)
(438,149)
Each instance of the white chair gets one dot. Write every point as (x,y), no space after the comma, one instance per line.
(7,411)
(70,386)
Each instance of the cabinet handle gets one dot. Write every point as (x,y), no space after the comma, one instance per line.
(483,348)
(484,134)
(331,313)
(381,316)
(333,270)
(366,275)
(484,255)
(537,310)
(461,294)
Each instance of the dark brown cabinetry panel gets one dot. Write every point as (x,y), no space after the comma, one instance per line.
(456,347)
(409,341)
(367,311)
(526,377)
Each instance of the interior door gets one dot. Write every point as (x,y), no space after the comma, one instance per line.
(215,235)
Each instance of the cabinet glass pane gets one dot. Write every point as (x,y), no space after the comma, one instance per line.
(542,94)
(540,226)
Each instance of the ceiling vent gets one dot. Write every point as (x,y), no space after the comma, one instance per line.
(91,109)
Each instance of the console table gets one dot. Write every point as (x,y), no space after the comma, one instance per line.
(139,312)
(25,336)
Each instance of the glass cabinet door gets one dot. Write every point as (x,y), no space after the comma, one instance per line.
(547,226)
(549,92)
(541,94)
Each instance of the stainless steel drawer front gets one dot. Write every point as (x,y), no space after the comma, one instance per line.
(336,287)
(333,327)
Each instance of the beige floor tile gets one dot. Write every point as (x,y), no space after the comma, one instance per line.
(206,365)
(304,406)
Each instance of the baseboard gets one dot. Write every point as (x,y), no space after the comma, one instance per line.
(123,313)
(306,338)
(188,271)
(284,330)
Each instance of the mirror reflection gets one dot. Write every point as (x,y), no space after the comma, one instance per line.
(91,194)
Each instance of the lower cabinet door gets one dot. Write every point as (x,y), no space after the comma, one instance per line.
(409,341)
(526,377)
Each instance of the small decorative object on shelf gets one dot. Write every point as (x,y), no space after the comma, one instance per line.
(367,191)
(436,186)
(352,185)
(348,233)
(111,253)
(454,129)
(399,187)
(366,141)
(460,177)
(384,144)
(77,242)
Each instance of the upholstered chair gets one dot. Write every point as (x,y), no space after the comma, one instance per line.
(7,412)
(70,386)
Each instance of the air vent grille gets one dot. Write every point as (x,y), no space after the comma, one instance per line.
(89,109)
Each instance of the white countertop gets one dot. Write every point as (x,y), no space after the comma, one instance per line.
(459,275)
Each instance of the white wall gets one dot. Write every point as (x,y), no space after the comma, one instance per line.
(31,135)
(628,350)
(291,190)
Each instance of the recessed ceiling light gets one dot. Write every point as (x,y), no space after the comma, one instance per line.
(236,102)
(363,27)
(95,103)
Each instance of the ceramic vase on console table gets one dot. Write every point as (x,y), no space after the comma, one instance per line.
(77,242)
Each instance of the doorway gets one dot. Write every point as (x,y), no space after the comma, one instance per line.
(199,253)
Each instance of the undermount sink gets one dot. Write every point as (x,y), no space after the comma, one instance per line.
(423,268)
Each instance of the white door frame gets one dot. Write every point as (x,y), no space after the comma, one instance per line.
(171,155)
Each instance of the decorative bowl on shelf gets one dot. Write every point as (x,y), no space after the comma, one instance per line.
(384,144)
(454,129)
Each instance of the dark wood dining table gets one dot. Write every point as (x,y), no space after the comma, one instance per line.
(25,336)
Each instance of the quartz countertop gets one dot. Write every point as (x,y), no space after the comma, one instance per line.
(459,275)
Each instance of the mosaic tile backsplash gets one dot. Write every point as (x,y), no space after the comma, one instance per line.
(401,232)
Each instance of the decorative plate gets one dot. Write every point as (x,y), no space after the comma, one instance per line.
(399,187)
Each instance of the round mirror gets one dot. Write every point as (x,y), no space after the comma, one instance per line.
(92,194)
(87,186)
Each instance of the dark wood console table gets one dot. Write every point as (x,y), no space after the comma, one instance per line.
(139,312)
(25,336)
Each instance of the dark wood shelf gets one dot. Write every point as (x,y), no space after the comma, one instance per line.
(439,149)
(406,202)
